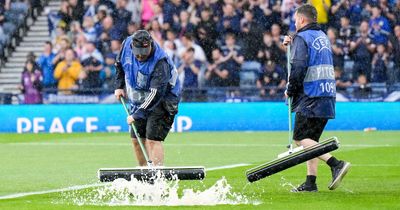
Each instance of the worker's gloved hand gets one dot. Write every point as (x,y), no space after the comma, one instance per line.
(130,119)
(119,92)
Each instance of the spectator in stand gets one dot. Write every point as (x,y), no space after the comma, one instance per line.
(388,12)
(134,6)
(31,83)
(362,49)
(107,32)
(171,11)
(208,24)
(92,62)
(121,17)
(182,24)
(98,19)
(271,80)
(288,9)
(31,56)
(379,63)
(339,9)
(61,48)
(171,36)
(65,14)
(170,47)
(148,11)
(67,72)
(342,83)
(92,7)
(75,31)
(346,32)
(380,27)
(277,37)
(5,26)
(3,40)
(395,45)
(205,42)
(251,36)
(79,45)
(190,68)
(45,63)
(133,27)
(363,89)
(397,13)
(194,11)
(154,28)
(77,9)
(355,12)
(188,42)
(89,29)
(110,4)
(158,15)
(337,46)
(206,33)
(366,12)
(269,50)
(217,74)
(59,35)
(115,46)
(323,7)
(107,75)
(233,58)
(266,13)
(230,21)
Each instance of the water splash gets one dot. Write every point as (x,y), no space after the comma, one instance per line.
(160,193)
(286,183)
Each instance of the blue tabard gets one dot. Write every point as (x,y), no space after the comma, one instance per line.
(138,74)
(320,78)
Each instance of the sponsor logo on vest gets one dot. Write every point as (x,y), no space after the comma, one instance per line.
(319,72)
(321,43)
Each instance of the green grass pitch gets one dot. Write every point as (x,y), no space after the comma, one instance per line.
(40,162)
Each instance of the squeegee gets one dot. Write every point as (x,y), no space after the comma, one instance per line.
(293,156)
(150,172)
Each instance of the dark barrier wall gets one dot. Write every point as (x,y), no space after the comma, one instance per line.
(192,117)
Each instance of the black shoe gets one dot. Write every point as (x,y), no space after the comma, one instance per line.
(338,172)
(306,188)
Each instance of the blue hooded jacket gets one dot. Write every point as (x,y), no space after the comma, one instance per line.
(312,83)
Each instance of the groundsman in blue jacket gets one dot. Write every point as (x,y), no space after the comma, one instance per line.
(147,76)
(312,88)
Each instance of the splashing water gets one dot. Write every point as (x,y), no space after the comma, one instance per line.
(286,183)
(160,193)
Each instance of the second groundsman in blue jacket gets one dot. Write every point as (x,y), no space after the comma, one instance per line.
(312,88)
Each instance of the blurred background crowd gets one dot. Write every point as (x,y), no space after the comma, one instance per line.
(222,48)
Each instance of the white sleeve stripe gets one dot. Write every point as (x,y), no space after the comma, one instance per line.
(149,98)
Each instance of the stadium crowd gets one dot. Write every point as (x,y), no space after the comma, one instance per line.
(13,16)
(232,44)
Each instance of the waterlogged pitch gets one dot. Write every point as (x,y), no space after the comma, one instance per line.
(53,171)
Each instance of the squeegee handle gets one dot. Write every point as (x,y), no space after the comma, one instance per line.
(136,134)
(289,101)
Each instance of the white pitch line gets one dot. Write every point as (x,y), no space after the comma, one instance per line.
(179,145)
(77,187)
(376,165)
(227,166)
(80,187)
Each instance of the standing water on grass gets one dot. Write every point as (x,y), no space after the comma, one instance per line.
(161,193)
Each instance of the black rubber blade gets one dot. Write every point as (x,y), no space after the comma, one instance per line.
(146,174)
(280,164)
